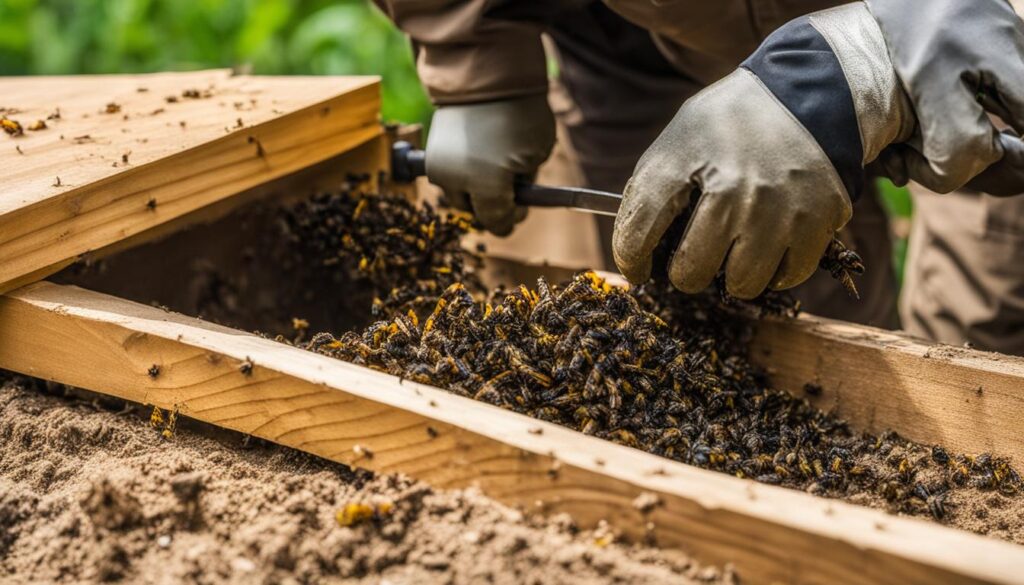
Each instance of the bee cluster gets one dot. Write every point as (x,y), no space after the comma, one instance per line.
(406,255)
(644,367)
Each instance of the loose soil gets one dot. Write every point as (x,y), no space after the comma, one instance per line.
(89,492)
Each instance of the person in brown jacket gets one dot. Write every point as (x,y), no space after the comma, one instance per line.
(775,144)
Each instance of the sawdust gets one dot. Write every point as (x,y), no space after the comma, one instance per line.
(968,507)
(91,494)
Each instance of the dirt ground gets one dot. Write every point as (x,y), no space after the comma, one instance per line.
(89,492)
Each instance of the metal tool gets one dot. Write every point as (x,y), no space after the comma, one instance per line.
(407,163)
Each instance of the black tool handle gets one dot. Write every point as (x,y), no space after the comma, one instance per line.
(407,163)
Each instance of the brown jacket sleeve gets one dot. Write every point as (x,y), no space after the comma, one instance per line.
(472,50)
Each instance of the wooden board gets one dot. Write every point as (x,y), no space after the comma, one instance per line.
(93,178)
(966,400)
(327,407)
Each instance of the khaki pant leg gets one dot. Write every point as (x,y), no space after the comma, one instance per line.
(965,271)
(623,92)
(868,233)
(614,94)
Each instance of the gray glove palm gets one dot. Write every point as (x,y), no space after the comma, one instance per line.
(475,152)
(775,151)
(769,198)
(957,59)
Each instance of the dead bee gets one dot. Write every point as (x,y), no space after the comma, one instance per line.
(11,127)
(195,94)
(362,451)
(156,418)
(935,501)
(153,371)
(247,367)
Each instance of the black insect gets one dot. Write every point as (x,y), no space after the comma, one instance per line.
(843,264)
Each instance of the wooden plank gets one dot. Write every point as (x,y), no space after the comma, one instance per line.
(967,400)
(182,156)
(175,263)
(298,186)
(327,407)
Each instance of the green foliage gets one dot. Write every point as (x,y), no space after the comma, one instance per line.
(273,37)
(896,200)
(898,204)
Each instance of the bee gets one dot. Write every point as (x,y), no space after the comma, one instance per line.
(156,418)
(843,264)
(11,127)
(246,367)
(935,501)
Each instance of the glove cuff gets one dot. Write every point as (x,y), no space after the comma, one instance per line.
(884,112)
(831,70)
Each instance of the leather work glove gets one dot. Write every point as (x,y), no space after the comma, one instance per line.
(775,150)
(475,152)
(957,59)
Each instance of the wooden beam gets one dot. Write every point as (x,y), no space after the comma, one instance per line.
(93,178)
(966,400)
(328,407)
(174,263)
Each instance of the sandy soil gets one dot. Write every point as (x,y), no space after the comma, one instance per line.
(89,492)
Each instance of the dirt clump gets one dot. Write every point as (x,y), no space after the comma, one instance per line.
(109,507)
(120,503)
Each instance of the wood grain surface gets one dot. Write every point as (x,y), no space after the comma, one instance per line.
(966,400)
(122,154)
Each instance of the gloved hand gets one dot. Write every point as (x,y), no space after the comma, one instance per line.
(957,59)
(775,150)
(475,152)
